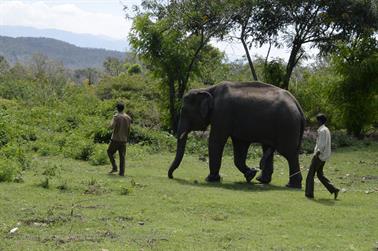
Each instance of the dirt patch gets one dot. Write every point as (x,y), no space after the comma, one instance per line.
(97,237)
(46,221)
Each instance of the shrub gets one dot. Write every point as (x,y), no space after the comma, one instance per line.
(45,149)
(134,69)
(102,135)
(79,148)
(8,170)
(99,156)
(44,183)
(4,130)
(342,139)
(17,154)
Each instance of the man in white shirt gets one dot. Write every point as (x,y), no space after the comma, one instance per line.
(322,152)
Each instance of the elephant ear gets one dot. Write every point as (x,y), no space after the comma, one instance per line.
(206,104)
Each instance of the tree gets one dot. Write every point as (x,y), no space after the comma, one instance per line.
(296,23)
(321,24)
(257,23)
(356,95)
(113,66)
(90,76)
(4,65)
(274,72)
(134,69)
(170,39)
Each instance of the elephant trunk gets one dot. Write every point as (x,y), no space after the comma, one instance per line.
(182,136)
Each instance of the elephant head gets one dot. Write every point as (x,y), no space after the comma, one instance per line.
(195,116)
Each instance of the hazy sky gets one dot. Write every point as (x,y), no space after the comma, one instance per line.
(99,17)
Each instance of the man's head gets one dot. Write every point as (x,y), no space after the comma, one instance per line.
(321,118)
(120,107)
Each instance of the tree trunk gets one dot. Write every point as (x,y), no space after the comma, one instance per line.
(172,106)
(254,75)
(290,65)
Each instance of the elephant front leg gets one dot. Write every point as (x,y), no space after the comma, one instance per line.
(240,156)
(266,165)
(216,146)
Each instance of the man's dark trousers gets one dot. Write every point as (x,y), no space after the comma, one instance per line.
(115,146)
(317,167)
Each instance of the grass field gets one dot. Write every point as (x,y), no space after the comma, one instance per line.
(84,208)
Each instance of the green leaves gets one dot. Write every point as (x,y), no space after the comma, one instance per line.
(356,93)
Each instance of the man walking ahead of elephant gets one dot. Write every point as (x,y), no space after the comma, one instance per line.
(322,152)
(121,129)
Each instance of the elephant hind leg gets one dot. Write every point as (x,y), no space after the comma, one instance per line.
(216,146)
(295,178)
(240,156)
(266,165)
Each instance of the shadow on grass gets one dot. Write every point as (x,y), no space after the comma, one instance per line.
(240,186)
(326,202)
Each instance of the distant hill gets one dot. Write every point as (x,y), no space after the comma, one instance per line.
(81,40)
(21,50)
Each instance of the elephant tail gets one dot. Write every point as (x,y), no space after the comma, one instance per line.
(303,124)
(303,120)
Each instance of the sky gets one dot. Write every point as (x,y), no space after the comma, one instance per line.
(97,17)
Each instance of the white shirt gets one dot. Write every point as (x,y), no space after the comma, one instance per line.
(323,143)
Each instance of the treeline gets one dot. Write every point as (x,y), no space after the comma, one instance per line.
(48,109)
(173,39)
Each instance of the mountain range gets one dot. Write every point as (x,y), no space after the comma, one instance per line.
(19,44)
(22,49)
(78,39)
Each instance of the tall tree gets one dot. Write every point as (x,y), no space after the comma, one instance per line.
(296,23)
(170,39)
(356,95)
(4,65)
(321,23)
(113,66)
(256,23)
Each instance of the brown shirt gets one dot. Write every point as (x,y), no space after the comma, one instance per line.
(121,127)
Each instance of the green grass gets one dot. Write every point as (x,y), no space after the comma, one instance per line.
(84,208)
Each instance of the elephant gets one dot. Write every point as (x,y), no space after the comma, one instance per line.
(248,112)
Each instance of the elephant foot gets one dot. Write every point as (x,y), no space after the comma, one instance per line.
(295,186)
(264,180)
(250,174)
(213,178)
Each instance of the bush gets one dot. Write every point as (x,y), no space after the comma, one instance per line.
(45,149)
(79,148)
(155,140)
(4,130)
(8,170)
(99,156)
(16,154)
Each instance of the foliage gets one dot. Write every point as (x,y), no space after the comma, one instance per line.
(79,148)
(314,94)
(4,65)
(356,93)
(171,40)
(134,69)
(113,66)
(274,72)
(8,170)
(99,155)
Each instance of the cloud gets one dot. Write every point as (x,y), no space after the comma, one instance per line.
(68,17)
